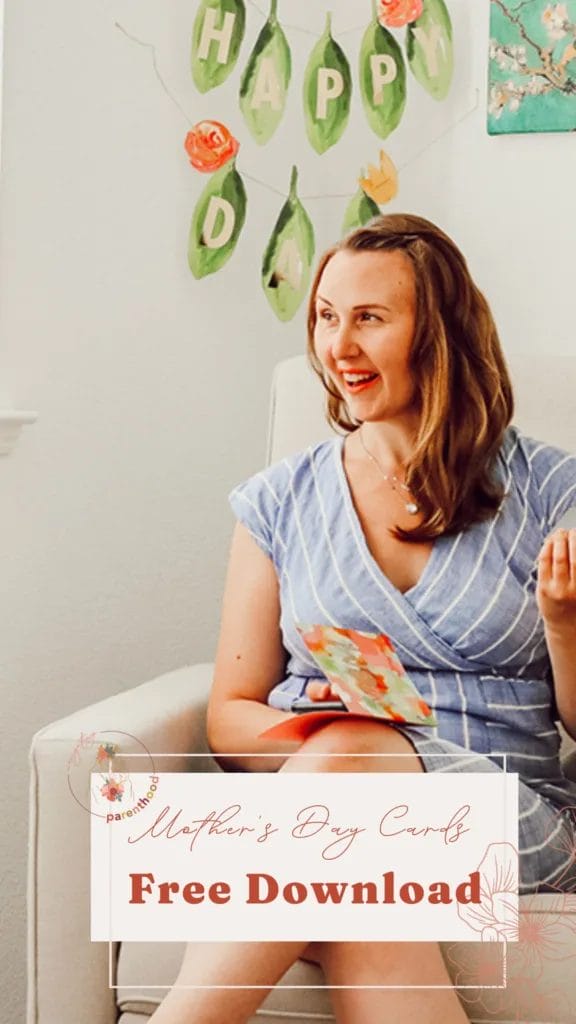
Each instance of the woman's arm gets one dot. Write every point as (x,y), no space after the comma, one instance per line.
(250,660)
(556,596)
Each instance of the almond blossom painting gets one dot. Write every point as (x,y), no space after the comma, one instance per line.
(532,80)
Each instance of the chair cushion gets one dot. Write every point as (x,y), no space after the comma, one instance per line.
(541,980)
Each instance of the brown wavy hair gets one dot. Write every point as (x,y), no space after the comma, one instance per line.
(462,386)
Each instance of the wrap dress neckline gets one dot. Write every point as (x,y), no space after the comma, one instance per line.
(440,545)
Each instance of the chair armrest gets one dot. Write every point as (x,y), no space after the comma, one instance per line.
(67,973)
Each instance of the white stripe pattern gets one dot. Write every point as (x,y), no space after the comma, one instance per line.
(457,633)
(483,551)
(464,708)
(496,595)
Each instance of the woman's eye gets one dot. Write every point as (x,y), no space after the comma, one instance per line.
(325,314)
(370,316)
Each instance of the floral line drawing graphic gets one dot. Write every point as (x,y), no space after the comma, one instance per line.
(496,918)
(507,971)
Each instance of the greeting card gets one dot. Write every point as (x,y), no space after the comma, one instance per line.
(365,672)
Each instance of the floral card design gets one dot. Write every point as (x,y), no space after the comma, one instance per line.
(532,78)
(366,673)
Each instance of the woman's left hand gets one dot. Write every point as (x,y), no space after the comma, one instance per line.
(556,589)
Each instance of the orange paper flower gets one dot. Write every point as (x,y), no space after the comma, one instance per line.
(381,183)
(397,13)
(210,145)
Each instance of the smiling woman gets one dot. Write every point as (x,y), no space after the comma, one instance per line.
(424,521)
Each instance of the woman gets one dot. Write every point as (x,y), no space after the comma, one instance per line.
(429,519)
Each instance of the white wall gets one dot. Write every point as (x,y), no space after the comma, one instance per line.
(152,389)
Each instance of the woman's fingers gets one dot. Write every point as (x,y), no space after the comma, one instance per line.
(561,556)
(572,555)
(319,691)
(556,592)
(546,560)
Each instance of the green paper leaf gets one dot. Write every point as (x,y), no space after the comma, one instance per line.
(430,50)
(382,79)
(361,209)
(216,39)
(217,221)
(327,92)
(265,81)
(287,262)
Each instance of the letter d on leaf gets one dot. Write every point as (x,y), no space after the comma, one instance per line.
(217,222)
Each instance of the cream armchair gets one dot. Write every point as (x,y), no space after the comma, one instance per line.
(72,979)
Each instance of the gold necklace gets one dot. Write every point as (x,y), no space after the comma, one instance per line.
(411,506)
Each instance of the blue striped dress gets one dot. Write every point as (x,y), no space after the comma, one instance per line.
(468,633)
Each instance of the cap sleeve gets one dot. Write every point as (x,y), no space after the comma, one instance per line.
(555,473)
(255,504)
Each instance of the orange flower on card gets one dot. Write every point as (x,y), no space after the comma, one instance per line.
(397,13)
(210,145)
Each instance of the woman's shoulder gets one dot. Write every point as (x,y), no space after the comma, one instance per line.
(296,466)
(257,501)
(542,471)
(539,455)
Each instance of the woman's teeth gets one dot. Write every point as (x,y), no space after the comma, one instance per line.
(358,380)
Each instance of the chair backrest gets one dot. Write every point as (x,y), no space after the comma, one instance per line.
(545,390)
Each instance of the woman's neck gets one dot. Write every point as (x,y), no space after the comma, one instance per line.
(391,443)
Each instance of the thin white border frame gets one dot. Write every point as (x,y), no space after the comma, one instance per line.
(301,988)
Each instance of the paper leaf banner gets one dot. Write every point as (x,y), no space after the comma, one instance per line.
(532,85)
(382,79)
(216,40)
(264,84)
(266,73)
(327,92)
(430,51)
(289,255)
(219,30)
(217,221)
(360,210)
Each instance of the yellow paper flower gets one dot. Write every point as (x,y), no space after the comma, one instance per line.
(381,183)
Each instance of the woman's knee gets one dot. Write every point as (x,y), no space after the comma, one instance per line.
(355,742)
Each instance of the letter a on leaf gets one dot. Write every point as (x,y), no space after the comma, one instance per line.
(289,255)
(327,92)
(265,81)
(429,49)
(216,39)
(382,78)
(217,221)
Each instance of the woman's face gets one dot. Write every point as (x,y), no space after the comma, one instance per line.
(365,321)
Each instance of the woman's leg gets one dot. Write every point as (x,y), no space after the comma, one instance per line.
(264,963)
(377,963)
(208,963)
(390,963)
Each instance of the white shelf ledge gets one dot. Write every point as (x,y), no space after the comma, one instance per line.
(11,423)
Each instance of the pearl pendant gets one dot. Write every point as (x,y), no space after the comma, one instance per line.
(412,508)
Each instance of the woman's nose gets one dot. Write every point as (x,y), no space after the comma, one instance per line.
(343,342)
